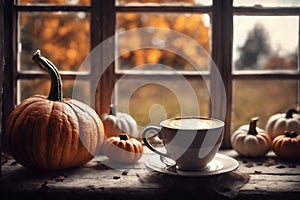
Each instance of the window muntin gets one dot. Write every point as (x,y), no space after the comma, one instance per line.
(153,102)
(224,63)
(259,91)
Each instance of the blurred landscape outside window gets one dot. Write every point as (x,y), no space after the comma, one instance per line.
(264,44)
(261,43)
(267,3)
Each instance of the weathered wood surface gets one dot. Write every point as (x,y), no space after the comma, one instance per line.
(267,177)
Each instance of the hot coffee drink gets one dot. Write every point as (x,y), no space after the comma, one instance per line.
(192,142)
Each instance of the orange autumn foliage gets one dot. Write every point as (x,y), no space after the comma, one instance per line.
(54,1)
(63,36)
(69,32)
(192,25)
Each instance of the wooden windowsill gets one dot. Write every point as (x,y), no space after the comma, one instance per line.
(267,177)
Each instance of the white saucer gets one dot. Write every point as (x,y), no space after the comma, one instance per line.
(220,164)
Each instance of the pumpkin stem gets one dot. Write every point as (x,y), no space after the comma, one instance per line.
(252,126)
(55,93)
(290,113)
(123,136)
(291,134)
(112,110)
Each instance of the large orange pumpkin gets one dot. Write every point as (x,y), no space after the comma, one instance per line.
(52,133)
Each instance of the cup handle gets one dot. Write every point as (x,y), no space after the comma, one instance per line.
(145,132)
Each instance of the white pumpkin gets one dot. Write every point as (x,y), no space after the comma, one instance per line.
(251,141)
(116,123)
(278,123)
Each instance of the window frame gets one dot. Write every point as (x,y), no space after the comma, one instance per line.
(103,23)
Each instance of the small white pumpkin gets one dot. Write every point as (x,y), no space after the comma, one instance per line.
(116,123)
(251,141)
(278,123)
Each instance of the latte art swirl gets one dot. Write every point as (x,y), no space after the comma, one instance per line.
(192,123)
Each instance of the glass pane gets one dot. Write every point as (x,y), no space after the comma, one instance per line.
(160,2)
(66,2)
(267,98)
(63,38)
(265,42)
(27,88)
(267,3)
(179,41)
(150,101)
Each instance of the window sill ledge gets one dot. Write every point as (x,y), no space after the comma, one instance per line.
(269,178)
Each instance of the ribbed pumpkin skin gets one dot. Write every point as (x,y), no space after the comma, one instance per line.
(287,147)
(116,123)
(52,135)
(123,149)
(250,145)
(249,140)
(278,123)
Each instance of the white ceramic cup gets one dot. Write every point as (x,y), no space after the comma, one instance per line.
(192,142)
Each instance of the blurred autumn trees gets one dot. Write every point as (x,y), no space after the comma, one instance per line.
(56,1)
(257,53)
(64,37)
(191,25)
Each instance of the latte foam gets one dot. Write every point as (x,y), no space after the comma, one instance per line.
(191,123)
